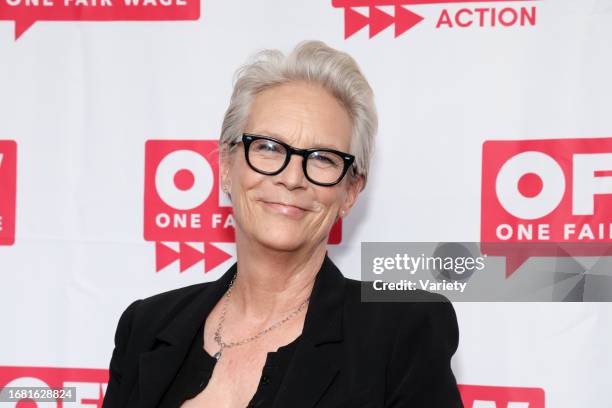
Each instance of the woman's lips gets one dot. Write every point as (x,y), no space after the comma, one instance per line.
(288,210)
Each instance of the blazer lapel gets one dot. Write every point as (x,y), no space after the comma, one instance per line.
(313,366)
(316,360)
(158,367)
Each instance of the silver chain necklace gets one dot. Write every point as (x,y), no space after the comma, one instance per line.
(224,345)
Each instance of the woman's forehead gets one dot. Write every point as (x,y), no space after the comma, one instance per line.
(300,115)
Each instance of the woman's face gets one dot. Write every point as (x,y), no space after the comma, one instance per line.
(286,211)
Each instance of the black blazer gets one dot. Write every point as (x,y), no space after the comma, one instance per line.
(353,354)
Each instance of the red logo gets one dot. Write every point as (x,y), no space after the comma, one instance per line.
(481,396)
(182,203)
(8,188)
(404,19)
(546,198)
(90,384)
(26,12)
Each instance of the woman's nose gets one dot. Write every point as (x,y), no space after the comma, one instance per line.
(292,175)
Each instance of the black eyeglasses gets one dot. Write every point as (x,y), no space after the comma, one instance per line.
(322,166)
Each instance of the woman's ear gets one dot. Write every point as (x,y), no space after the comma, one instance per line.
(354,187)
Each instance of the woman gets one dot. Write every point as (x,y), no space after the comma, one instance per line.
(283,327)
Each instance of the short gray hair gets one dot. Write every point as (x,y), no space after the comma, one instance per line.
(310,61)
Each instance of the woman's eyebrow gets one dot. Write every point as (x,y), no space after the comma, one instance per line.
(269,134)
(283,139)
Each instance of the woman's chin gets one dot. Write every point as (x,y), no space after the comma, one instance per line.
(281,240)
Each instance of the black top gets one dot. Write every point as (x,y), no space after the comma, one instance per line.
(197,368)
(351,353)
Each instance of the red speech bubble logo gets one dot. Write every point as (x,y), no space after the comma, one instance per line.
(182,203)
(26,12)
(474,396)
(8,190)
(546,198)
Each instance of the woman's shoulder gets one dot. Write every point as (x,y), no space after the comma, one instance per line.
(154,312)
(173,297)
(417,309)
(408,297)
(415,337)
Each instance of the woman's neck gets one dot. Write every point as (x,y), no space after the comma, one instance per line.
(272,284)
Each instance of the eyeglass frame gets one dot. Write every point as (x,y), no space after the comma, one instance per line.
(248,138)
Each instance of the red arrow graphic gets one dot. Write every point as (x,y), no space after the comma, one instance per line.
(189,256)
(378,20)
(353,22)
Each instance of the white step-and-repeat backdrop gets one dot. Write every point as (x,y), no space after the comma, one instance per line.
(95,94)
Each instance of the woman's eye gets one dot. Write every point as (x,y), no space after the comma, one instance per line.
(324,159)
(267,147)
